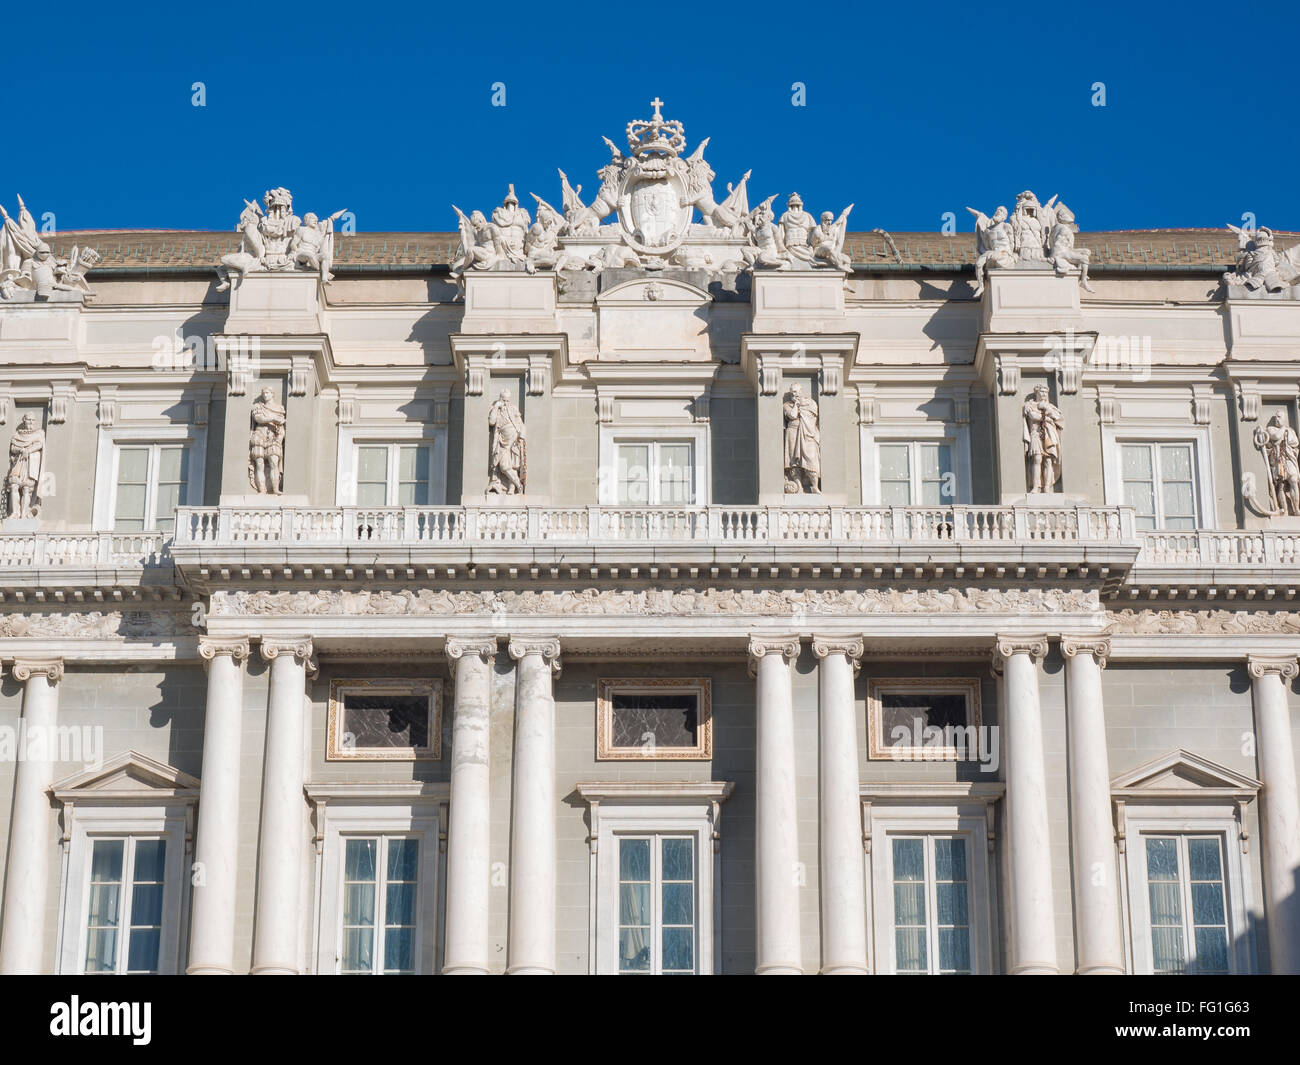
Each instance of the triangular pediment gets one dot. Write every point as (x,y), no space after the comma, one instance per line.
(1181,771)
(130,773)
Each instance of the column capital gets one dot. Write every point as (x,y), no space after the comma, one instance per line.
(1097,646)
(52,668)
(762,646)
(1259,665)
(457,647)
(848,646)
(1006,646)
(299,647)
(235,646)
(547,646)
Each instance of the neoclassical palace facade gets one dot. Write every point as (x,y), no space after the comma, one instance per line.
(658,584)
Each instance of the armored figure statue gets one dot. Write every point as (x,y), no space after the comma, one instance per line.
(1260,265)
(508,469)
(1029,226)
(993,245)
(795,226)
(803,444)
(1043,424)
(26,460)
(1280,447)
(277,239)
(510,222)
(266,444)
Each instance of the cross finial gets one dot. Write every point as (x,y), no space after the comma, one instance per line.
(657,103)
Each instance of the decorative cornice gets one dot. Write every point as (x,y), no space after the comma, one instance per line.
(548,648)
(1260,666)
(300,648)
(235,646)
(52,668)
(823,646)
(484,647)
(1097,646)
(762,646)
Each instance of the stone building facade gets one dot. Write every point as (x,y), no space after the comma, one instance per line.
(650,592)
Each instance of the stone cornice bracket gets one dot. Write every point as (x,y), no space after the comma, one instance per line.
(475,374)
(1097,646)
(769,375)
(301,649)
(1006,646)
(458,647)
(1008,374)
(838,645)
(1284,666)
(52,668)
(762,646)
(535,377)
(548,648)
(235,646)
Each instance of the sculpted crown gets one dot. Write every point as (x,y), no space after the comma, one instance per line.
(667,137)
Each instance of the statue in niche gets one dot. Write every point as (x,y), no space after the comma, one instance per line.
(993,245)
(266,444)
(508,469)
(1043,424)
(803,444)
(1280,447)
(26,461)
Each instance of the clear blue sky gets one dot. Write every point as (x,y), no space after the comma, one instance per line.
(913,108)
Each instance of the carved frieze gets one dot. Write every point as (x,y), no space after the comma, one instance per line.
(96,625)
(1203,622)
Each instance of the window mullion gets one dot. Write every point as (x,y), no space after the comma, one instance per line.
(931,908)
(656,911)
(381,906)
(1185,889)
(124,906)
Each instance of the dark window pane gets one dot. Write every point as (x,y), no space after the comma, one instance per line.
(386,720)
(641,720)
(149,858)
(142,950)
(901,710)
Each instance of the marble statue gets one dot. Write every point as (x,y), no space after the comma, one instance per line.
(993,245)
(511,223)
(803,444)
(276,239)
(1043,424)
(542,244)
(496,245)
(1030,224)
(1061,252)
(1260,265)
(1280,447)
(28,263)
(827,240)
(26,460)
(266,444)
(766,248)
(795,226)
(508,465)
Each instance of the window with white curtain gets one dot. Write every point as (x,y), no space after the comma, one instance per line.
(657,924)
(381,881)
(655,472)
(1187,903)
(150,482)
(1160,483)
(124,905)
(916,472)
(393,474)
(931,904)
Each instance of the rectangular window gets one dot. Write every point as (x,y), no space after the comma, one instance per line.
(930,905)
(1160,484)
(393,475)
(380,888)
(1188,906)
(657,905)
(918,720)
(125,905)
(655,718)
(151,484)
(377,720)
(654,472)
(916,472)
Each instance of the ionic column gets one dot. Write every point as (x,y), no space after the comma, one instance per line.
(1097,916)
(776,859)
(1033,925)
(532,821)
(1279,813)
(843,889)
(468,855)
(27,869)
(216,845)
(280,847)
